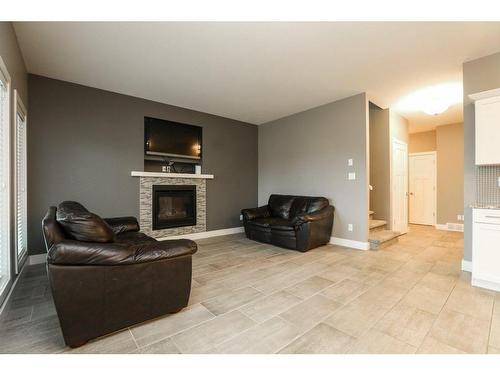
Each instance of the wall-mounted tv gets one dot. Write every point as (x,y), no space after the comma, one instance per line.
(171,139)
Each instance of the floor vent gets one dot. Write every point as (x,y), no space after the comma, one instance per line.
(455,227)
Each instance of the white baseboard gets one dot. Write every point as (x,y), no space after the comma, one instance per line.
(486,284)
(452,227)
(37,259)
(466,265)
(359,245)
(207,234)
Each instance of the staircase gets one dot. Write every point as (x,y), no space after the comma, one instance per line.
(379,236)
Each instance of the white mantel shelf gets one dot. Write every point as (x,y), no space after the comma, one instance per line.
(171,175)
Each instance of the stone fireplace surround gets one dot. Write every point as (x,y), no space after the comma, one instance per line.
(148,179)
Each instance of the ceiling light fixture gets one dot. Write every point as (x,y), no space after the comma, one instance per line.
(432,100)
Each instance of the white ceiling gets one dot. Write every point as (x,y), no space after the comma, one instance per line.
(258,72)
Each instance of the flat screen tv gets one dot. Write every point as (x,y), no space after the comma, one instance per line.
(171,139)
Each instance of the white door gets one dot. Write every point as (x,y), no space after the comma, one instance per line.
(423,188)
(399,182)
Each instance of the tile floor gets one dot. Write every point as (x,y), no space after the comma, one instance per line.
(249,297)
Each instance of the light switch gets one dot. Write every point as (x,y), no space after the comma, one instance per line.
(350,227)
(351,176)
(350,163)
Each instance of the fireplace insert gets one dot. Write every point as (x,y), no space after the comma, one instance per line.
(174,206)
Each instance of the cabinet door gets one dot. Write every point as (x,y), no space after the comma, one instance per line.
(488,131)
(486,252)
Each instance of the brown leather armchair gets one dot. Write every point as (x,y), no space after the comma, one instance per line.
(105,275)
(294,222)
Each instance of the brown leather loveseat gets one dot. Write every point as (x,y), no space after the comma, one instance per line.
(291,221)
(105,275)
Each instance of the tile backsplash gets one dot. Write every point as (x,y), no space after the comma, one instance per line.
(487,189)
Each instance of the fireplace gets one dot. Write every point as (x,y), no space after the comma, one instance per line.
(174,206)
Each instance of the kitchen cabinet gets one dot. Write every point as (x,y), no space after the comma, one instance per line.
(486,249)
(487,125)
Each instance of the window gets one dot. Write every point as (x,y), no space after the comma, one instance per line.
(21,194)
(4,179)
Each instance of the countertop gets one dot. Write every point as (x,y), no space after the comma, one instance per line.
(485,207)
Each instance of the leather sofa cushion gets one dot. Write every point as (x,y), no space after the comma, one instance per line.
(316,204)
(274,223)
(123,224)
(133,238)
(82,225)
(280,205)
(85,254)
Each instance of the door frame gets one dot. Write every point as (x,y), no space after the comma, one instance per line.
(434,153)
(394,141)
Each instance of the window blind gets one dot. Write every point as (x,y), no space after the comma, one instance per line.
(21,207)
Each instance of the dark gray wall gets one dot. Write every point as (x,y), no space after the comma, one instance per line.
(306,154)
(84,142)
(13,60)
(479,75)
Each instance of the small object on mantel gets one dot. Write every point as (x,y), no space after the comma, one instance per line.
(171,175)
(197,169)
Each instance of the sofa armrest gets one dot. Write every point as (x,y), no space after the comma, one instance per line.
(79,253)
(325,213)
(255,213)
(123,224)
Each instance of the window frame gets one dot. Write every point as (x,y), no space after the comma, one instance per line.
(5,285)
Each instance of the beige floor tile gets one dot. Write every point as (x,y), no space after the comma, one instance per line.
(162,347)
(232,300)
(471,301)
(495,328)
(427,299)
(285,279)
(345,291)
(269,306)
(321,339)
(121,342)
(433,346)
(376,342)
(461,331)
(307,288)
(384,294)
(207,291)
(310,312)
(369,275)
(439,282)
(447,269)
(265,338)
(356,317)
(493,350)
(404,279)
(337,273)
(207,335)
(158,329)
(406,323)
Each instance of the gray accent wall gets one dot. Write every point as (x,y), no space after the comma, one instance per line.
(307,153)
(84,142)
(478,75)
